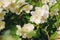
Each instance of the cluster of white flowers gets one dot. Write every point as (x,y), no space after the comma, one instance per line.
(40,15)
(2,13)
(2,23)
(51,2)
(13,6)
(54,12)
(23,31)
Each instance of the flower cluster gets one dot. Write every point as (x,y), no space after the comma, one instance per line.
(38,16)
(14,7)
(24,30)
(51,2)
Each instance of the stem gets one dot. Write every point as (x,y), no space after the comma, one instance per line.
(46,33)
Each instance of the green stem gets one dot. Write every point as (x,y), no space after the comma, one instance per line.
(46,33)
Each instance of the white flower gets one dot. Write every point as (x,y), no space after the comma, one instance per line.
(27,27)
(1,4)
(55,1)
(1,9)
(58,28)
(45,7)
(13,1)
(54,12)
(6,3)
(2,25)
(40,15)
(15,8)
(36,15)
(44,16)
(35,19)
(58,32)
(24,30)
(22,1)
(45,1)
(11,7)
(52,2)
(2,16)
(18,30)
(27,8)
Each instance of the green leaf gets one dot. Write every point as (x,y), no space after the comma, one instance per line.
(53,7)
(58,4)
(39,3)
(16,1)
(52,37)
(32,34)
